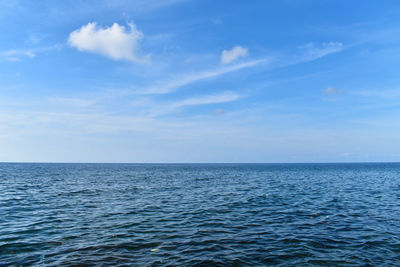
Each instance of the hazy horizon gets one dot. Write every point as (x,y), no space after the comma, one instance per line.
(201,163)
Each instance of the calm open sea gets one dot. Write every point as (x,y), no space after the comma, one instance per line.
(201,214)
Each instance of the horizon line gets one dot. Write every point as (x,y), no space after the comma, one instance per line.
(199,163)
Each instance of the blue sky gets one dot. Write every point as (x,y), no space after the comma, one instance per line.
(199,81)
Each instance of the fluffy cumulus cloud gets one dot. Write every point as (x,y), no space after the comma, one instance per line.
(116,42)
(228,56)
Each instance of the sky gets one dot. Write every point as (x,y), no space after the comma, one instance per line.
(199,81)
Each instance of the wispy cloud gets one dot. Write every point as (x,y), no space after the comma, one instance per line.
(17,54)
(172,85)
(228,56)
(31,123)
(155,109)
(313,51)
(115,42)
(210,99)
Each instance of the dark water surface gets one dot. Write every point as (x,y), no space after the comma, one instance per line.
(209,215)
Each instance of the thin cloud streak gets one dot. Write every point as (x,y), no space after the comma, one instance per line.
(311,52)
(17,54)
(164,109)
(152,109)
(210,99)
(172,85)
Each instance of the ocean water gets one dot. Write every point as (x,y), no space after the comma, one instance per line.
(200,215)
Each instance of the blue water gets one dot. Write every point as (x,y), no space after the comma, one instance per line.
(205,215)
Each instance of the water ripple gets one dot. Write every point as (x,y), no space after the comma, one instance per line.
(199,215)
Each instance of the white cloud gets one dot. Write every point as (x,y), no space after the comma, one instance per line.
(314,51)
(205,100)
(224,97)
(169,86)
(115,42)
(228,56)
(152,109)
(17,54)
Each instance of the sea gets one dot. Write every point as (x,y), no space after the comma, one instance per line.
(65,214)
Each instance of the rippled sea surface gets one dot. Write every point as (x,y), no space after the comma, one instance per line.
(207,215)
